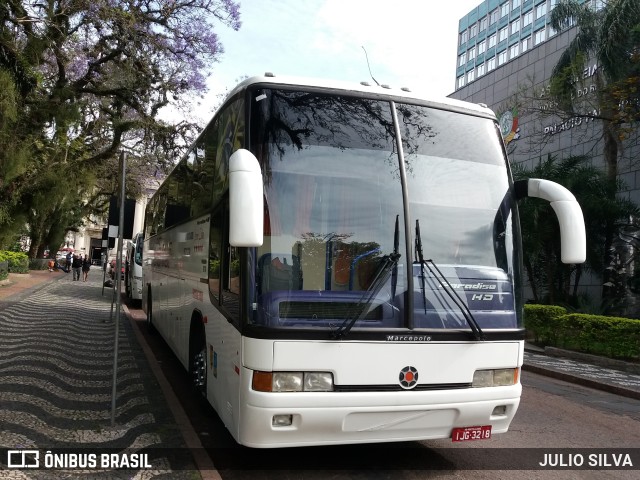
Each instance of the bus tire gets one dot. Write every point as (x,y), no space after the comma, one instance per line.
(198,357)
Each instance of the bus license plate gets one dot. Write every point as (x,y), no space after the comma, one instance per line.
(471,433)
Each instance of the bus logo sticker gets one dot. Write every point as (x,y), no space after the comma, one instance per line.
(408,377)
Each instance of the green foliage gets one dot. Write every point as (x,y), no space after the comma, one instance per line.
(4,269)
(18,261)
(214,268)
(550,279)
(80,80)
(38,264)
(596,334)
(609,336)
(235,267)
(542,322)
(609,35)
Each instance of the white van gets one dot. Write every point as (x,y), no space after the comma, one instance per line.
(133,269)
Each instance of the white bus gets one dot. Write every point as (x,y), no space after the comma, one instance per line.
(339,264)
(133,268)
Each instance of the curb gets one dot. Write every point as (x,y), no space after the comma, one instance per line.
(203,462)
(578,379)
(585,382)
(633,368)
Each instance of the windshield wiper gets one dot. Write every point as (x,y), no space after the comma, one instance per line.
(420,257)
(396,242)
(385,268)
(446,286)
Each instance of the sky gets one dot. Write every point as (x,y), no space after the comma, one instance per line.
(409,43)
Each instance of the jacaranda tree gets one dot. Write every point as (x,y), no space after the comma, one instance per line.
(91,77)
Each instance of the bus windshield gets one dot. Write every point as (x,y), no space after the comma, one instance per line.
(345,179)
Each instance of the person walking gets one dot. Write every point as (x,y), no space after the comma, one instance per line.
(67,265)
(76,266)
(86,266)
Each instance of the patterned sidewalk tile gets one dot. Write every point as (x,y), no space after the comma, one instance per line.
(56,376)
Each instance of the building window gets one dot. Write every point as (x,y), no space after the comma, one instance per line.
(464,36)
(483,24)
(525,44)
(482,47)
(515,26)
(491,64)
(493,17)
(552,31)
(492,40)
(514,50)
(473,30)
(515,4)
(471,75)
(461,81)
(538,37)
(541,10)
(480,69)
(502,57)
(504,9)
(471,53)
(462,59)
(527,18)
(503,34)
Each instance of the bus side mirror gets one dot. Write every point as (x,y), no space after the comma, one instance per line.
(573,242)
(246,208)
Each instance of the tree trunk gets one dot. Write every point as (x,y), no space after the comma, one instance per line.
(577,282)
(610,152)
(534,289)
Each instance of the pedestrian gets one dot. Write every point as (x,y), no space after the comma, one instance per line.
(86,266)
(76,266)
(67,263)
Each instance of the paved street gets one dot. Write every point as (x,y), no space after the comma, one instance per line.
(56,368)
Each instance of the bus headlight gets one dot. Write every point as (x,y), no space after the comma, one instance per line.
(287,382)
(292,381)
(495,378)
(318,382)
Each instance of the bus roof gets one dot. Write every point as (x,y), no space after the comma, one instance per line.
(364,89)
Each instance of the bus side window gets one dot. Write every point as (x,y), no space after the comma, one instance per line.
(215,255)
(204,166)
(230,274)
(224,265)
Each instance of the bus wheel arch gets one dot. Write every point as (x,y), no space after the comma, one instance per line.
(198,354)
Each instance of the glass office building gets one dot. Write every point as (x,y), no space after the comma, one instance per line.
(506,53)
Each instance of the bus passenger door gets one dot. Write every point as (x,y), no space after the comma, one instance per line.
(223,335)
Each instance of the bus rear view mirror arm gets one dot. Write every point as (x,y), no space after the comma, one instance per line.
(246,209)
(573,244)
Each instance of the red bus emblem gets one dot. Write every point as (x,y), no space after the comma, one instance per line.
(408,377)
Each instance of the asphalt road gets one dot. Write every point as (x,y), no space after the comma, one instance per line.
(556,420)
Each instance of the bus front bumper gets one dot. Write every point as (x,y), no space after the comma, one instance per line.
(370,417)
